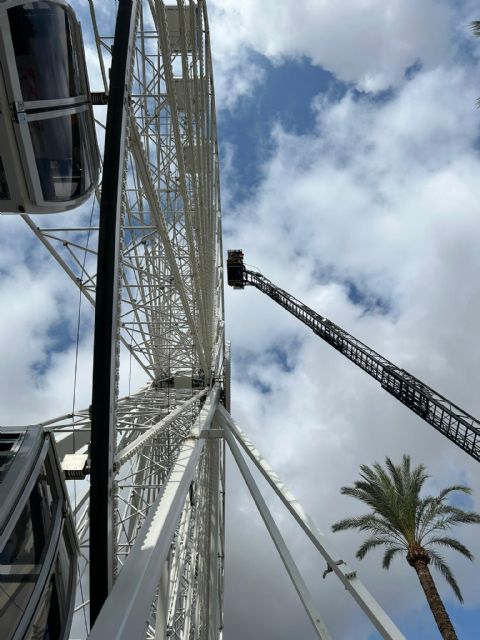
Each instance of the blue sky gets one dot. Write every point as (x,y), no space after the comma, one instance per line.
(284,96)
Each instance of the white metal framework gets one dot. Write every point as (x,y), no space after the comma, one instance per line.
(167,473)
(171,325)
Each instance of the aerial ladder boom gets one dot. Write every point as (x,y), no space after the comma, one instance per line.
(452,421)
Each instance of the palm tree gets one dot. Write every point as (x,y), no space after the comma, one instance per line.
(404,522)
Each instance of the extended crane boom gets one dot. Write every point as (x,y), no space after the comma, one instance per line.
(457,425)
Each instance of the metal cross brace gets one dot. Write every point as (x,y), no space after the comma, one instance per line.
(348,577)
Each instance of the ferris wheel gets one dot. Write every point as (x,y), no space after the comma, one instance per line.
(151,205)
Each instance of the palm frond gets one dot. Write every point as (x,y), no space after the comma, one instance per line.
(389,555)
(436,515)
(392,492)
(396,472)
(376,525)
(367,522)
(454,487)
(459,516)
(399,475)
(415,478)
(425,508)
(372,495)
(451,543)
(369,544)
(346,523)
(440,564)
(446,516)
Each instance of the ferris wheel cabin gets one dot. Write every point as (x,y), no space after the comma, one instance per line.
(38,549)
(49,159)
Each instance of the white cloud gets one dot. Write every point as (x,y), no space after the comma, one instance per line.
(370,44)
(38,331)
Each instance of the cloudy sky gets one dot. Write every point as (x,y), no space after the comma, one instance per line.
(350,163)
(349,139)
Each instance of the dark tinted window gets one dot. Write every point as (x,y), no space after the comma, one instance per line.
(45,51)
(47,622)
(9,445)
(52,612)
(63,154)
(22,556)
(4,191)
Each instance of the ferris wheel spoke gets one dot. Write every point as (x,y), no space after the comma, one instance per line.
(98,43)
(159,220)
(183,141)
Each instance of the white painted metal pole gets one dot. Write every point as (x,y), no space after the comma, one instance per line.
(162,603)
(348,576)
(134,447)
(280,544)
(213,604)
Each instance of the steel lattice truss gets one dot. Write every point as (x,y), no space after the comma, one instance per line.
(171,315)
(450,420)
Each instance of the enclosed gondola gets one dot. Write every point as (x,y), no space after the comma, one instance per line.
(49,159)
(38,548)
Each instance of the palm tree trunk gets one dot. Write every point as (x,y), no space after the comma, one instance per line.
(434,601)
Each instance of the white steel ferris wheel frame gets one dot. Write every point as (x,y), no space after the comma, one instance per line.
(166,476)
(151,561)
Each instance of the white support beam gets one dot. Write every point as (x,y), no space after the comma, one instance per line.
(162,604)
(68,443)
(214,495)
(141,163)
(280,544)
(77,281)
(179,146)
(178,556)
(346,574)
(127,607)
(135,446)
